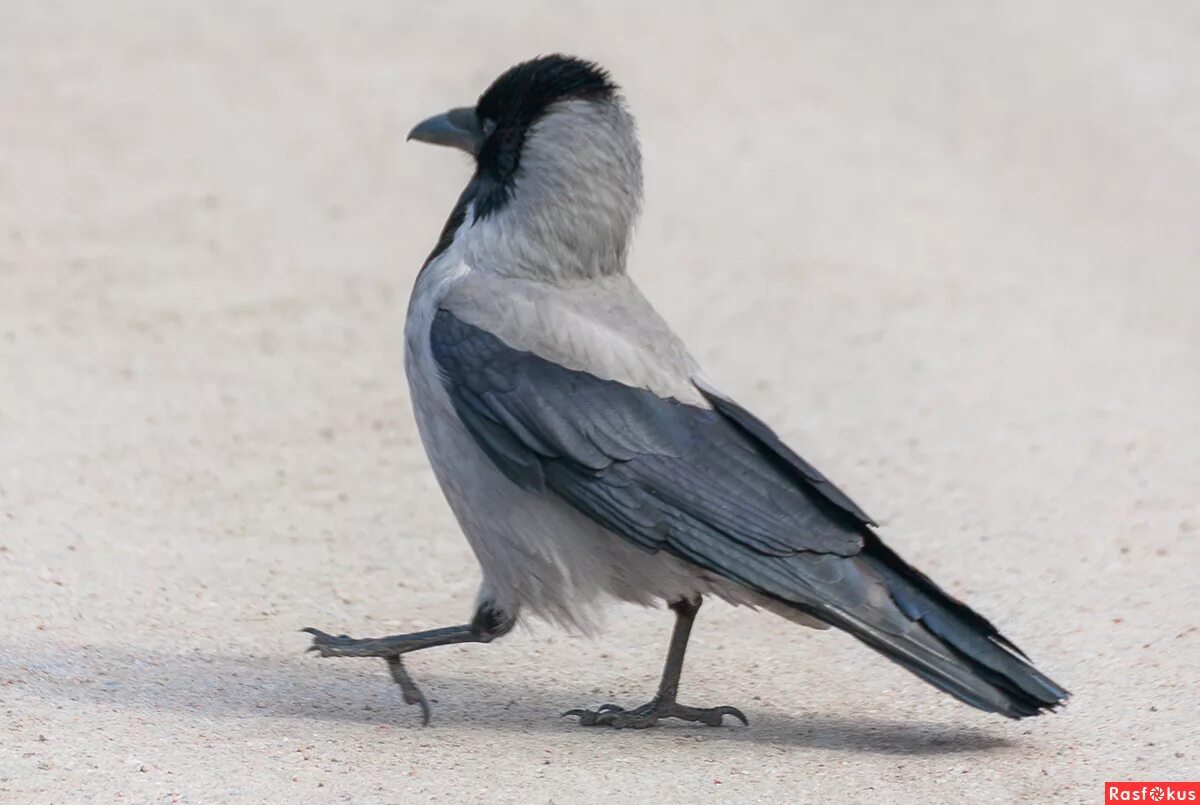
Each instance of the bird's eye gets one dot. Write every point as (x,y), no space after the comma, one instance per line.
(487,127)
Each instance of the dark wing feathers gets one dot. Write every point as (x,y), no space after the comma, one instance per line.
(592,437)
(718,488)
(764,436)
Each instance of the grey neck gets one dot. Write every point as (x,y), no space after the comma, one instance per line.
(574,200)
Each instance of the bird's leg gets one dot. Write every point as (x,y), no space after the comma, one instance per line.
(663,705)
(488,624)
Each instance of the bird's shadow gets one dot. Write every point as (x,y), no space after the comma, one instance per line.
(232,685)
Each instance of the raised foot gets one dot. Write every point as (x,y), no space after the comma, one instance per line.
(328,645)
(344,646)
(611,715)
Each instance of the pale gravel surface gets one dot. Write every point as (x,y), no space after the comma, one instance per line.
(951,254)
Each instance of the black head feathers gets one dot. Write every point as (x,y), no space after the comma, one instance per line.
(523,93)
(518,99)
(495,130)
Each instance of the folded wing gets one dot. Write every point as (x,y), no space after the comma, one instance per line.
(716,487)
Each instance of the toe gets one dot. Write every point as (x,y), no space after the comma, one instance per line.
(317,633)
(622,721)
(733,711)
(323,643)
(426,711)
(714,716)
(587,718)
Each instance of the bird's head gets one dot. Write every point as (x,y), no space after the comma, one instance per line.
(558,178)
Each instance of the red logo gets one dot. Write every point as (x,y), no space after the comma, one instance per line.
(1152,792)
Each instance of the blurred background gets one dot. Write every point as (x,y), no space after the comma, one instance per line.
(949,250)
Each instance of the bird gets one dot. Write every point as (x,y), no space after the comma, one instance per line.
(587,457)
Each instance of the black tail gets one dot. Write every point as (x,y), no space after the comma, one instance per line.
(954,648)
(938,638)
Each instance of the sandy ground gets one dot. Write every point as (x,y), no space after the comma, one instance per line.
(951,254)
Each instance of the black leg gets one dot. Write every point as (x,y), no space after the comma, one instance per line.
(685,616)
(487,625)
(663,705)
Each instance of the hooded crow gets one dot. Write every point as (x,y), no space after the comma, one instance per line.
(586,456)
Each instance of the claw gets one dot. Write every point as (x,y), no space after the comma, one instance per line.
(590,717)
(731,711)
(411,693)
(319,638)
(587,718)
(321,641)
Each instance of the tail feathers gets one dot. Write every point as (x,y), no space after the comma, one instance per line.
(951,646)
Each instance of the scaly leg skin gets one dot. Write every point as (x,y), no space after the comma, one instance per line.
(487,624)
(663,705)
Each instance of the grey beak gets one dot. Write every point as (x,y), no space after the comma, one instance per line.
(458,128)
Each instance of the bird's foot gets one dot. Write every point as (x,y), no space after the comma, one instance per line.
(649,714)
(342,645)
(388,648)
